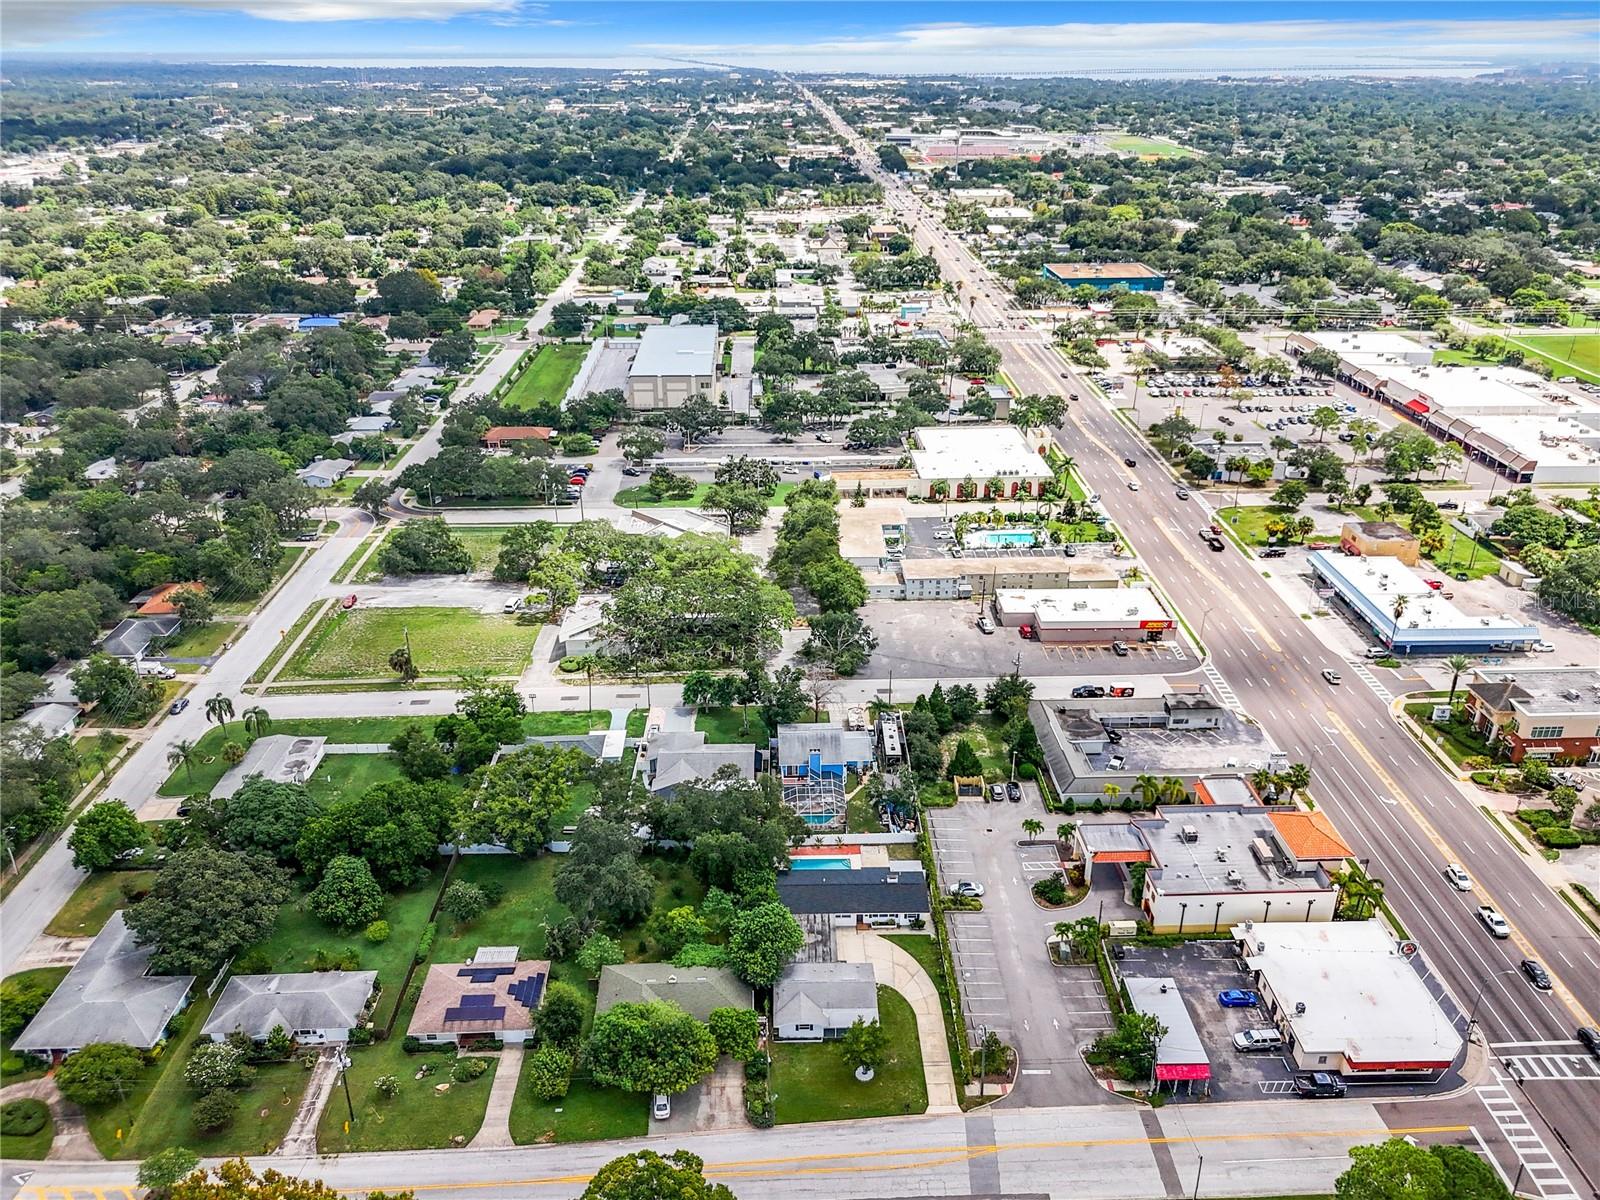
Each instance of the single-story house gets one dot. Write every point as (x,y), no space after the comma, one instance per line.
(579,631)
(816,1000)
(158,601)
(696,990)
(483,320)
(501,437)
(325,472)
(493,996)
(678,757)
(279,757)
(131,638)
(107,997)
(313,1008)
(823,749)
(870,896)
(52,720)
(100,470)
(366,426)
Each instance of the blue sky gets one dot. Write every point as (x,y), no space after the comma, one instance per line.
(823,35)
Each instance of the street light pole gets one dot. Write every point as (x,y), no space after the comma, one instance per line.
(1472,1009)
(1200,1166)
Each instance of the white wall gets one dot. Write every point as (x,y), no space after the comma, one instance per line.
(1165,912)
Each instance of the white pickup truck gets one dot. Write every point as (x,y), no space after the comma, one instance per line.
(1493,921)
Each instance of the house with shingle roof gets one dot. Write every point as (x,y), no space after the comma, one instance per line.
(816,1000)
(314,1008)
(696,990)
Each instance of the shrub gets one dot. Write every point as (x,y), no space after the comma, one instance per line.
(757,1067)
(20,1001)
(377,932)
(387,1086)
(348,897)
(214,1065)
(550,1072)
(23,1118)
(1052,889)
(757,1108)
(465,1070)
(561,1015)
(215,1110)
(1068,805)
(343,959)
(425,942)
(99,1073)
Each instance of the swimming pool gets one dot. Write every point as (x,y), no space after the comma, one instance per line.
(813,863)
(1000,537)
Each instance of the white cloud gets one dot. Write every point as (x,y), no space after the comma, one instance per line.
(32,22)
(1166,45)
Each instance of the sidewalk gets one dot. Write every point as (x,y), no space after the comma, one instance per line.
(495,1132)
(897,969)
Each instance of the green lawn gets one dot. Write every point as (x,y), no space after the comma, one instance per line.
(93,755)
(208,766)
(13,1068)
(346,775)
(1456,737)
(1130,143)
(587,1113)
(421,1117)
(298,934)
(481,541)
(1458,553)
(356,643)
(642,497)
(90,906)
(286,639)
(519,919)
(557,724)
(925,950)
(1567,354)
(32,1148)
(202,642)
(546,377)
(813,1082)
(1249,522)
(987,739)
(725,725)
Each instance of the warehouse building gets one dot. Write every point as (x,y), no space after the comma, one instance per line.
(1372,590)
(1349,999)
(675,363)
(1134,276)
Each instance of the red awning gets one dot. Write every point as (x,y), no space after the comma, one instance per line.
(1168,1071)
(1416,406)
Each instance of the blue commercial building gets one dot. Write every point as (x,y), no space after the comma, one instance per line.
(1373,587)
(1134,276)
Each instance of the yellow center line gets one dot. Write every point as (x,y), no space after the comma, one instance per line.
(904,1158)
(1397,793)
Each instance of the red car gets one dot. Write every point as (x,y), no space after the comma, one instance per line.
(1027,633)
(349,601)
(1435,584)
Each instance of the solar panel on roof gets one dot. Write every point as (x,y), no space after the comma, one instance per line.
(475,1014)
(526,992)
(477,1001)
(483,974)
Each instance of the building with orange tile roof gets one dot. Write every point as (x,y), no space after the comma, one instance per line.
(159,603)
(1309,837)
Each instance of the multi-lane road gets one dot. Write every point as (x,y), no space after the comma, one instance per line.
(1391,803)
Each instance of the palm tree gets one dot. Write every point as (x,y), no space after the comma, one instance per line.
(1298,777)
(1263,781)
(1112,790)
(1149,789)
(1173,791)
(182,753)
(1033,827)
(1400,603)
(400,663)
(219,709)
(994,486)
(1457,664)
(256,721)
(878,707)
(939,490)
(1064,832)
(1361,893)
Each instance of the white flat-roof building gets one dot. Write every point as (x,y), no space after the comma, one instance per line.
(1181,1055)
(282,758)
(1349,999)
(674,364)
(1371,588)
(1357,346)
(967,458)
(1082,614)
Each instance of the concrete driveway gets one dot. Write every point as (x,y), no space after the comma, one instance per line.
(716,1102)
(1008,983)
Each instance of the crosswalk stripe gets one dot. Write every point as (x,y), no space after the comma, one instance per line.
(1364,673)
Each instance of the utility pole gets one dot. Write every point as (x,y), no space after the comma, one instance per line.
(342,1060)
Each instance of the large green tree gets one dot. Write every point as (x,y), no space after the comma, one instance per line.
(206,906)
(652,1047)
(1392,1170)
(762,941)
(266,817)
(347,896)
(100,1073)
(104,833)
(520,798)
(646,1175)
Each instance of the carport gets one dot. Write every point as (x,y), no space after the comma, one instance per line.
(1180,1056)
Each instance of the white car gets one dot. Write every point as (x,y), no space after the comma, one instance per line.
(985,625)
(1133,485)
(1543,648)
(661,1107)
(1456,876)
(967,888)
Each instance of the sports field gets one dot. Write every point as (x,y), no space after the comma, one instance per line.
(1129,143)
(546,377)
(1567,353)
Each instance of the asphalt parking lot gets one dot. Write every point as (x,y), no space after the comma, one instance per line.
(1008,983)
(1201,970)
(923,639)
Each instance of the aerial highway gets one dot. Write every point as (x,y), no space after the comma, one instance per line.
(1404,819)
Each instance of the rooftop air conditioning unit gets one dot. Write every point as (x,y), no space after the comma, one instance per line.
(1571,694)
(1235,879)
(892,877)
(1300,1008)
(1189,834)
(1222,854)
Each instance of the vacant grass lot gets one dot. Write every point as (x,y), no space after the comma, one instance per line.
(813,1081)
(587,1113)
(726,725)
(89,907)
(546,377)
(1567,354)
(202,642)
(341,776)
(642,497)
(356,643)
(202,775)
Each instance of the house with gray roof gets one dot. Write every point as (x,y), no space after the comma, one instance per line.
(279,757)
(696,990)
(816,1000)
(51,720)
(313,1008)
(107,997)
(871,896)
(131,638)
(679,757)
(829,749)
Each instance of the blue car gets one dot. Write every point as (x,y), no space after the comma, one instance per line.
(1238,998)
